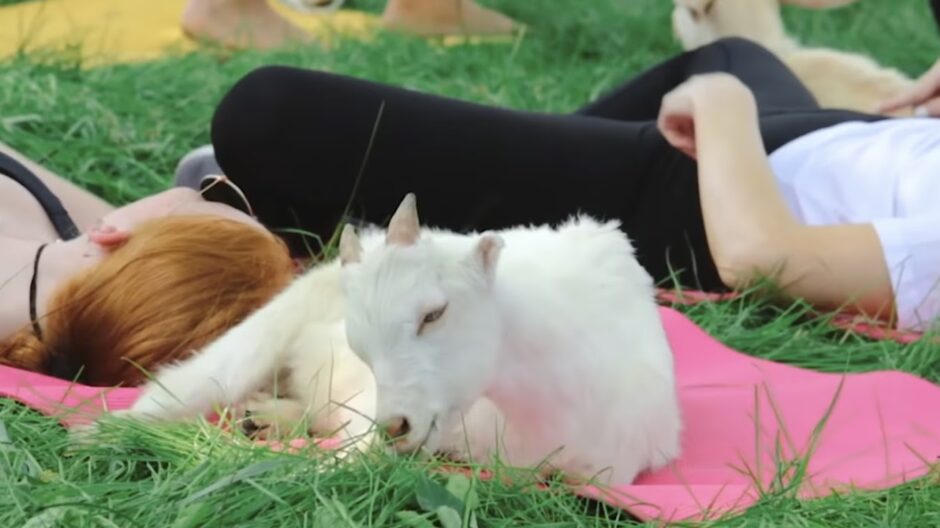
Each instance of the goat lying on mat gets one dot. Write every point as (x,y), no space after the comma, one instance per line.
(541,346)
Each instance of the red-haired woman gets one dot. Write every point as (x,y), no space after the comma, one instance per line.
(100,294)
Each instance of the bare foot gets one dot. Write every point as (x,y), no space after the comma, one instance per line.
(239,24)
(445,17)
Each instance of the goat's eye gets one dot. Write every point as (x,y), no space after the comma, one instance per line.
(709,6)
(692,11)
(431,317)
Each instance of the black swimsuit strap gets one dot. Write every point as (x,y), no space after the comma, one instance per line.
(61,221)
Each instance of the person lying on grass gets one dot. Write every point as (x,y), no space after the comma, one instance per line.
(719,180)
(840,213)
(254,24)
(99,294)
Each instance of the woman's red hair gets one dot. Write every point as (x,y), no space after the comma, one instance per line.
(173,287)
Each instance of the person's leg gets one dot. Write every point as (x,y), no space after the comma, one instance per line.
(254,24)
(239,24)
(788,110)
(775,87)
(444,17)
(295,140)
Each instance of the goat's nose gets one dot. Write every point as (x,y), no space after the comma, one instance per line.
(397,428)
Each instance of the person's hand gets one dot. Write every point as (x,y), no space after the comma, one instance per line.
(677,113)
(924,96)
(677,119)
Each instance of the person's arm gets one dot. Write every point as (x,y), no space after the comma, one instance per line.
(924,95)
(751,231)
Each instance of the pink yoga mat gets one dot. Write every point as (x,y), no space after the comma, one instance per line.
(882,428)
(857,324)
(72,403)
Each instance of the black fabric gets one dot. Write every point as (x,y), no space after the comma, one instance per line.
(935,7)
(61,221)
(294,141)
(33,318)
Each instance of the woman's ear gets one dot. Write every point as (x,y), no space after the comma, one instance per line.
(108,237)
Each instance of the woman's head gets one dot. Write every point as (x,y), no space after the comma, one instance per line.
(176,284)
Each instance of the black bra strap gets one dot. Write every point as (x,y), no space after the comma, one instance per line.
(61,221)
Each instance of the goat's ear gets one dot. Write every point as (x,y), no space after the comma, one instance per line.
(404,227)
(485,255)
(350,249)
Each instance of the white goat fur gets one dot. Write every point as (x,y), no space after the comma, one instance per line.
(558,333)
(837,79)
(295,347)
(583,364)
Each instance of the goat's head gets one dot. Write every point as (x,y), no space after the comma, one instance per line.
(420,313)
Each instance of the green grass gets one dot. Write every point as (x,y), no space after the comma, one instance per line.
(120,130)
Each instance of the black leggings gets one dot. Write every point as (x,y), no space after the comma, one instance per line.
(294,140)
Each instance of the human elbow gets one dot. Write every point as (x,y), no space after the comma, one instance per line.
(740,266)
(731,272)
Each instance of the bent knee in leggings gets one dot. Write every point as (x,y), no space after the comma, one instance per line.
(283,135)
(773,83)
(743,58)
(254,109)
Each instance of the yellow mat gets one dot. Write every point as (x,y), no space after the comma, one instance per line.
(108,31)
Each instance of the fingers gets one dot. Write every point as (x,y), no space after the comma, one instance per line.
(676,121)
(911,97)
(929,109)
(925,88)
(680,133)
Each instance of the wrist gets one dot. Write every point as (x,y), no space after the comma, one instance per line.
(722,94)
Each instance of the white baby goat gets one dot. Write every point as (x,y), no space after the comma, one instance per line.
(288,363)
(558,332)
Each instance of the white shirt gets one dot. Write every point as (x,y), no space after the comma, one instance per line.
(886,173)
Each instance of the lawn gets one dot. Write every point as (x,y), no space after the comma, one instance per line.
(120,130)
